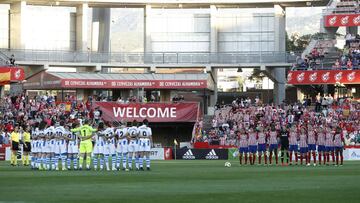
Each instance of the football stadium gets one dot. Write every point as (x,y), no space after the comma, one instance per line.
(179,101)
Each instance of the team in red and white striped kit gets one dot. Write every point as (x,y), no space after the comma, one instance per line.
(302,144)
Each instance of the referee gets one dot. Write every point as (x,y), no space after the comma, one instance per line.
(14,137)
(26,139)
(284,141)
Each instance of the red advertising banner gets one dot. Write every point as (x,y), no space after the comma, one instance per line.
(3,151)
(324,77)
(342,20)
(154,112)
(8,74)
(147,84)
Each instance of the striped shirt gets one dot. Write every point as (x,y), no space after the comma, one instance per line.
(293,138)
(261,138)
(252,139)
(273,137)
(311,137)
(329,139)
(302,142)
(321,139)
(338,140)
(244,140)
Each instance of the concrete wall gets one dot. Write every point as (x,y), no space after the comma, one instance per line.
(4,26)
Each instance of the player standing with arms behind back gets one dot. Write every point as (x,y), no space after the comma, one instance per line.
(273,145)
(72,149)
(86,133)
(145,136)
(244,146)
(252,145)
(122,147)
(311,144)
(339,143)
(133,146)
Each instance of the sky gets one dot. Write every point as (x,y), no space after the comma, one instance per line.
(304,20)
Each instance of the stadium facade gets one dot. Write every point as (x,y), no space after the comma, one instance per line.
(149,37)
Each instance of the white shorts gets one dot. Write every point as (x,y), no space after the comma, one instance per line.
(72,148)
(109,149)
(122,146)
(38,145)
(133,146)
(98,148)
(144,145)
(34,148)
(60,147)
(49,147)
(42,146)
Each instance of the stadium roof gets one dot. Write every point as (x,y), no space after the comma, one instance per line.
(179,3)
(50,80)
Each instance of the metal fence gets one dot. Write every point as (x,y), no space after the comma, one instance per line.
(153,57)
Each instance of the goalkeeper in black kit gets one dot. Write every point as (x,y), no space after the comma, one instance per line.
(284,141)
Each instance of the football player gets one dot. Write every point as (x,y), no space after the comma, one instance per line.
(122,145)
(109,147)
(60,145)
(72,148)
(145,141)
(133,147)
(99,148)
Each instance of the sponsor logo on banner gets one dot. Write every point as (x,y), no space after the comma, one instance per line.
(201,154)
(17,74)
(157,154)
(345,20)
(356,20)
(351,76)
(300,77)
(332,20)
(313,77)
(326,76)
(354,155)
(289,76)
(338,76)
(212,155)
(188,155)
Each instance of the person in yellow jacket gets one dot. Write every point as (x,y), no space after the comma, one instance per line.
(26,140)
(15,138)
(86,147)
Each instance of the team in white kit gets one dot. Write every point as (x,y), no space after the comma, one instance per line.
(115,146)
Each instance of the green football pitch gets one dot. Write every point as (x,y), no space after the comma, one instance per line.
(185,181)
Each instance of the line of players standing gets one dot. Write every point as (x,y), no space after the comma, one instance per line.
(301,141)
(58,144)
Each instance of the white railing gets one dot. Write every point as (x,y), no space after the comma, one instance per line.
(152,58)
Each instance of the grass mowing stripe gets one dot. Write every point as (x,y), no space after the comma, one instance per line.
(184,181)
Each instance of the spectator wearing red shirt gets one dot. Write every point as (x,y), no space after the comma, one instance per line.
(349,64)
(337,64)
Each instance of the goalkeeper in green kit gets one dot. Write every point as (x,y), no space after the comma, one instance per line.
(86,133)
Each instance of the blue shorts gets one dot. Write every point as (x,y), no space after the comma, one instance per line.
(312,147)
(243,150)
(261,147)
(273,147)
(329,149)
(252,148)
(303,150)
(338,148)
(321,148)
(294,148)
